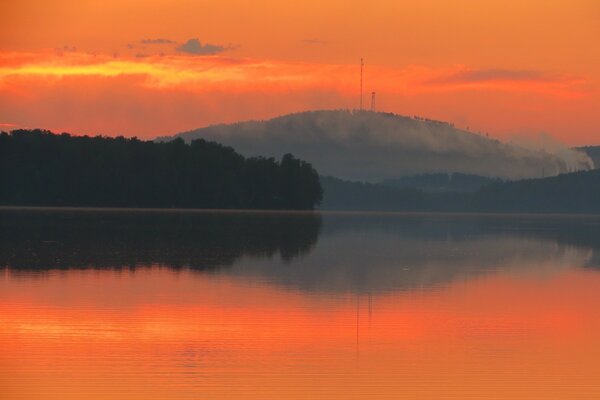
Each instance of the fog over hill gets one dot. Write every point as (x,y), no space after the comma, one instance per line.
(371,146)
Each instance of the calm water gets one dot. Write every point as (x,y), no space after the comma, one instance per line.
(150,305)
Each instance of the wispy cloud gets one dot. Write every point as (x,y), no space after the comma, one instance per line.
(462,78)
(487,75)
(199,73)
(157,41)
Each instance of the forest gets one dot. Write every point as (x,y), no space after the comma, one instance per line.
(577,192)
(40,168)
(442,182)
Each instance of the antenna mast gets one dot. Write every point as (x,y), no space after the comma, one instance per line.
(361,83)
(372,101)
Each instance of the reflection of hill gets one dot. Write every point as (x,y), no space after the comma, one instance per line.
(362,253)
(109,239)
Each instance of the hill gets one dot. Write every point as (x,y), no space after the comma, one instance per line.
(370,146)
(43,169)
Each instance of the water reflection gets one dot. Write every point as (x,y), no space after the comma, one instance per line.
(58,239)
(359,253)
(363,253)
(122,305)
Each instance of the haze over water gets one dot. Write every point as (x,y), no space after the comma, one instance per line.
(159,305)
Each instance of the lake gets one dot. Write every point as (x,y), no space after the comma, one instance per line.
(126,304)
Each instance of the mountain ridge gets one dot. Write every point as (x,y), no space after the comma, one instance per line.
(373,146)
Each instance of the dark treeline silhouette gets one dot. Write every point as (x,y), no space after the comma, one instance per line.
(43,239)
(339,194)
(441,182)
(44,169)
(577,192)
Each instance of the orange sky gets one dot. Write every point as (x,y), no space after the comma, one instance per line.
(507,68)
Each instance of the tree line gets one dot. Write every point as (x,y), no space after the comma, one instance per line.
(577,192)
(40,168)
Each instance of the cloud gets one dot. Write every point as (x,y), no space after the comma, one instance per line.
(461,78)
(243,74)
(30,83)
(194,46)
(494,75)
(157,41)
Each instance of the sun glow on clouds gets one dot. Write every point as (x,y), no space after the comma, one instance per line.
(47,88)
(226,73)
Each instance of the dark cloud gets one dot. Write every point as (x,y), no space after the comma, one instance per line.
(157,41)
(194,46)
(486,75)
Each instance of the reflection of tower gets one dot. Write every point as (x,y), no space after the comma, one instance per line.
(357,321)
(361,82)
(370,306)
(372,101)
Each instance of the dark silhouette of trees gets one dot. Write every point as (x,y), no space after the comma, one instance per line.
(441,182)
(45,169)
(577,192)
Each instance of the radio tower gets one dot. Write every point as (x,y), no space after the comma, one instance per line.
(373,101)
(361,83)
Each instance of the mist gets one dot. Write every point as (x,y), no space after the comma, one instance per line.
(370,146)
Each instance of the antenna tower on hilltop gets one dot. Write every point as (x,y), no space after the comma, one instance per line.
(361,84)
(373,101)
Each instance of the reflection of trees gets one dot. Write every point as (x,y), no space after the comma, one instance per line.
(578,230)
(200,240)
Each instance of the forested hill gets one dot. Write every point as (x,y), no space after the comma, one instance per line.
(45,169)
(375,146)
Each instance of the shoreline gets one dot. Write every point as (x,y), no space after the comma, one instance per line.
(155,210)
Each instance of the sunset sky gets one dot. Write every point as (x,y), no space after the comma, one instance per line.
(156,67)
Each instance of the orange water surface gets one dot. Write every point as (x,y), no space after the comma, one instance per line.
(160,334)
(156,332)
